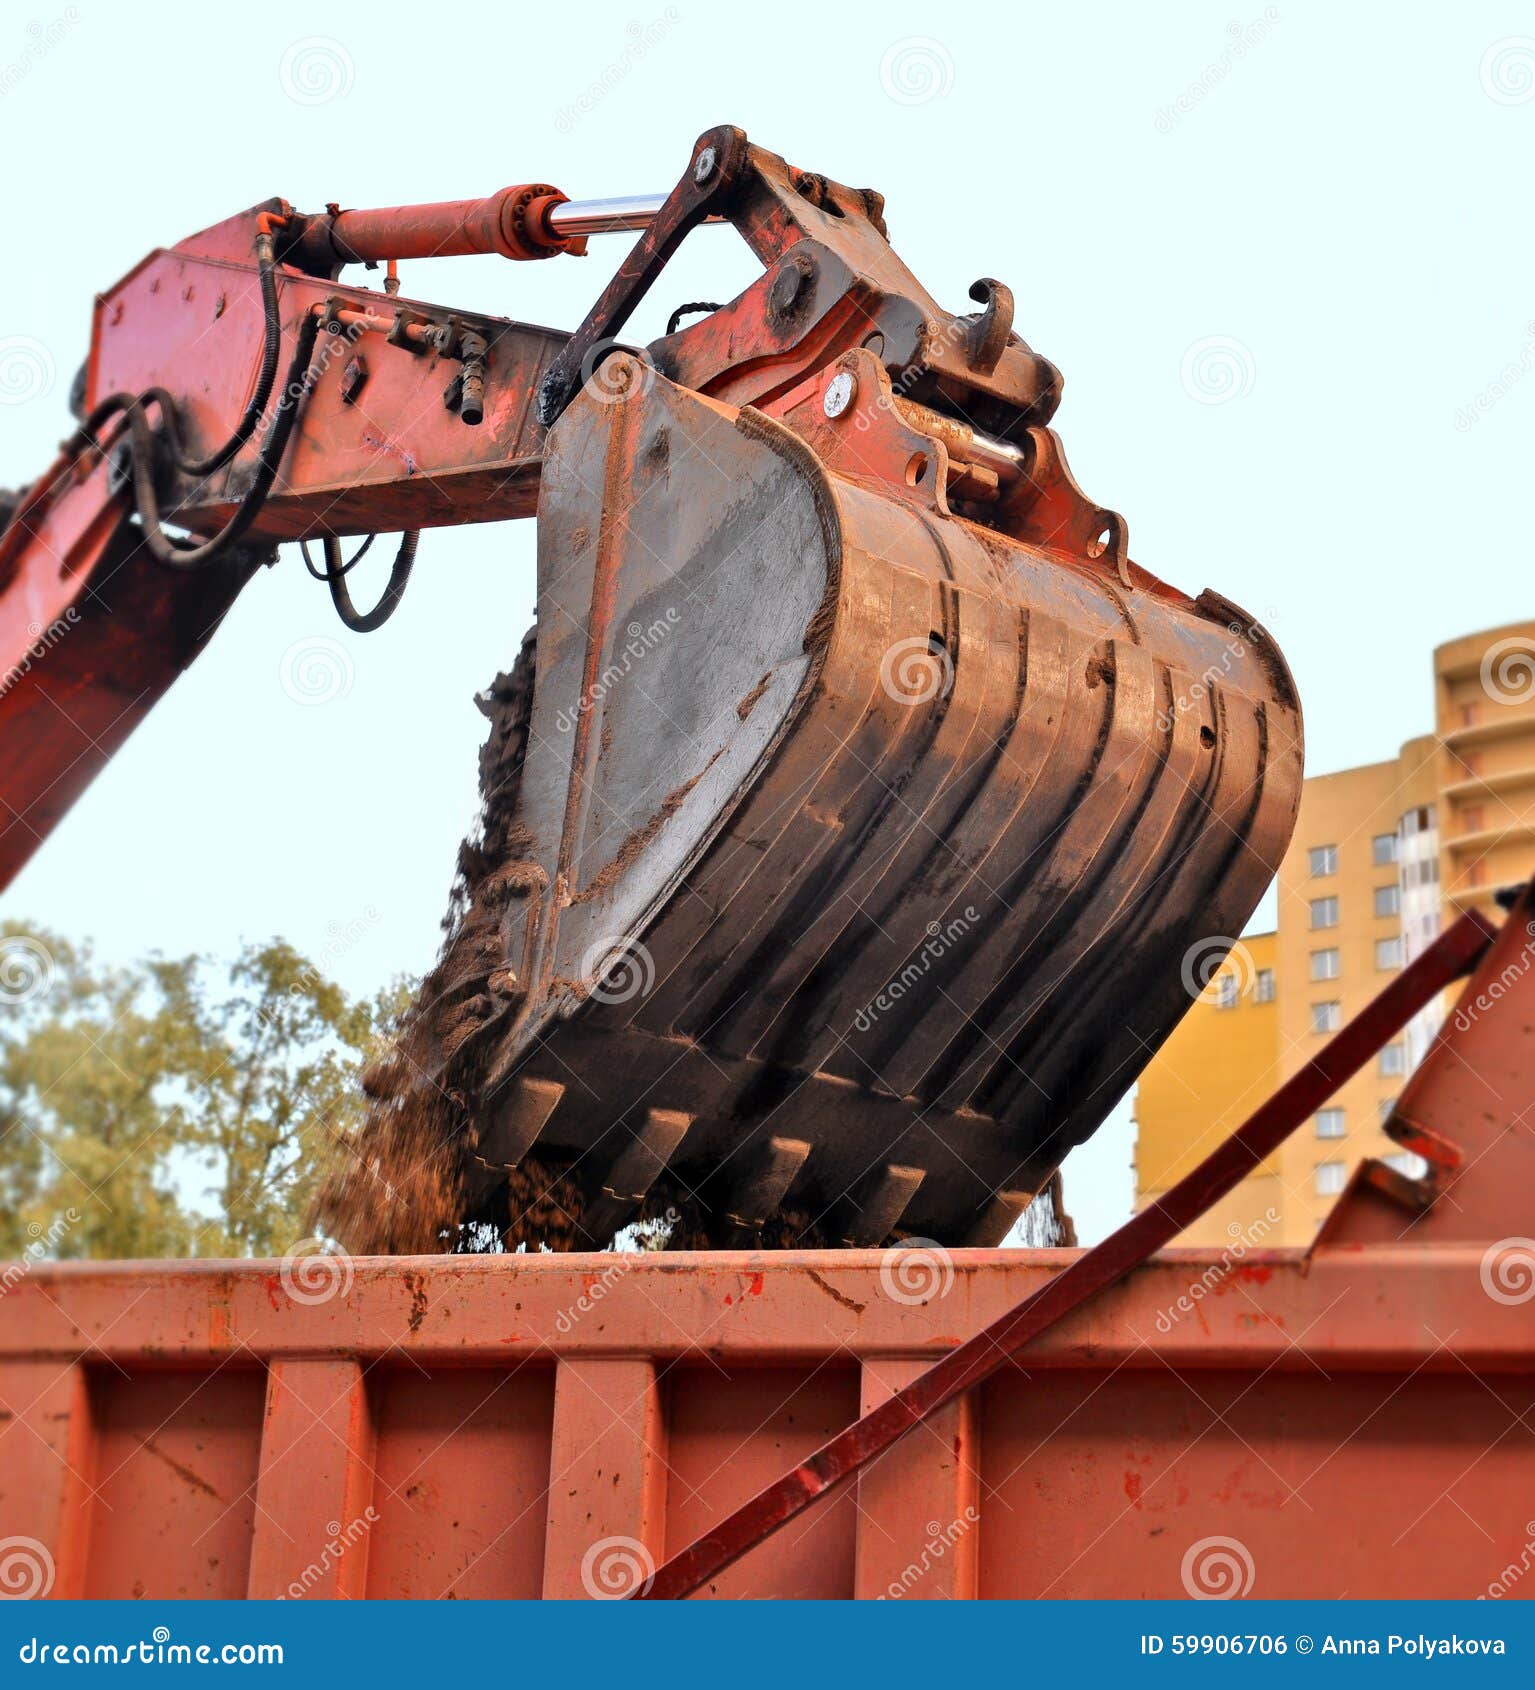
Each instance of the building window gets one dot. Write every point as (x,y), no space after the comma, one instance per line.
(1226,990)
(1407,1162)
(1329,1123)
(1324,965)
(1393,1059)
(1324,912)
(1330,1177)
(1324,859)
(1387,1109)
(1473,819)
(1388,953)
(1263,986)
(1326,1017)
(1388,900)
(1383,849)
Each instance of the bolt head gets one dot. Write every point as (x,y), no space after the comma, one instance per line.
(703,168)
(839,393)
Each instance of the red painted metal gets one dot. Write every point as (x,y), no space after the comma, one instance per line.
(1454,954)
(1353,1420)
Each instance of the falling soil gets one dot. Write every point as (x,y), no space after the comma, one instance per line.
(399,1185)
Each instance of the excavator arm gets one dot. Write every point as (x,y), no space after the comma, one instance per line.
(853,734)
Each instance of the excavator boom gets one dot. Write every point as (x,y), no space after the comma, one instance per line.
(851,821)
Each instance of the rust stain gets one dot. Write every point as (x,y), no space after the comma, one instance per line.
(195,1480)
(832,1292)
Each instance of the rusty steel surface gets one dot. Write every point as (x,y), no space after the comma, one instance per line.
(842,683)
(1353,1420)
(1358,1422)
(1450,957)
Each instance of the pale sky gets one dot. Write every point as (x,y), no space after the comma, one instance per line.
(1282,256)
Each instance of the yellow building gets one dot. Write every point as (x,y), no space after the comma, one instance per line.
(1381,855)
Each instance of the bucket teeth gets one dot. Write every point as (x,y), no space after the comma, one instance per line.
(639,1166)
(512,1130)
(997,1219)
(881,1205)
(763,1189)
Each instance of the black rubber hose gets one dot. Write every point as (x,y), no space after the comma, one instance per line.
(182,554)
(329,574)
(335,572)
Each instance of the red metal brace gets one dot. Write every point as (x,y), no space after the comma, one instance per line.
(1451,956)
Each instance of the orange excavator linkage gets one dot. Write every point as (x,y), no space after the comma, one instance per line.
(851,821)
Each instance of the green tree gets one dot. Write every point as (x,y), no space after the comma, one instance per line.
(170,1108)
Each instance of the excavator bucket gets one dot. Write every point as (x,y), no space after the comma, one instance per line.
(859,818)
(850,857)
